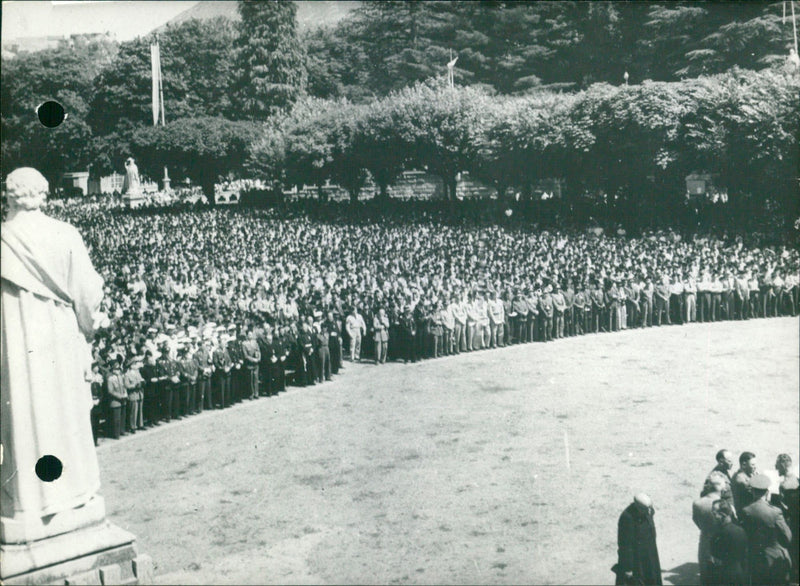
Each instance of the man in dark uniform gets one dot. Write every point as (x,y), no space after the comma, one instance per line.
(307,368)
(768,536)
(559,309)
(172,385)
(238,373)
(252,358)
(97,400)
(189,374)
(612,306)
(729,548)
(322,352)
(269,359)
(334,327)
(508,315)
(638,561)
(569,307)
(149,373)
(281,344)
(408,335)
(221,377)
(163,390)
(598,300)
(581,310)
(521,310)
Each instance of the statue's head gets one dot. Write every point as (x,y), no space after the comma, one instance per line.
(26,188)
(129,161)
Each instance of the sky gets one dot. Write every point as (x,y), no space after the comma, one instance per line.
(125,20)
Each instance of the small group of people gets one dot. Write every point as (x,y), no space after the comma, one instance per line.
(749,528)
(748,524)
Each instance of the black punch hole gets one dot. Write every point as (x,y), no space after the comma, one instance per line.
(49,468)
(51,113)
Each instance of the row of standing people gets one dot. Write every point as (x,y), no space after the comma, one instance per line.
(487,319)
(186,374)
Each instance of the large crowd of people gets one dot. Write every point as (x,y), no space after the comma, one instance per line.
(209,307)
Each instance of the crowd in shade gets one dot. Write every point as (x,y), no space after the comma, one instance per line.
(209,307)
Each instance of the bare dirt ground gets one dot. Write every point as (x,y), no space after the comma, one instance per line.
(505,466)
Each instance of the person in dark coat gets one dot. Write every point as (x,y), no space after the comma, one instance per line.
(728,548)
(638,561)
(768,536)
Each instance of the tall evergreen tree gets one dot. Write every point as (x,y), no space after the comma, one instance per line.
(270,59)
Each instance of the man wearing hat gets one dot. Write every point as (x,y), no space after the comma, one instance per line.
(638,561)
(768,536)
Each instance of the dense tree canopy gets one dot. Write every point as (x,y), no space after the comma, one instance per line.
(518,46)
(196,65)
(64,74)
(203,149)
(270,59)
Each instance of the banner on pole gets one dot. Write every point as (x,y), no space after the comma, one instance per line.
(155,66)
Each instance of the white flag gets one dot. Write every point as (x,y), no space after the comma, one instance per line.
(155,66)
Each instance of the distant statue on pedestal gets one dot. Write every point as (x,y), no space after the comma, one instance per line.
(132,185)
(50,296)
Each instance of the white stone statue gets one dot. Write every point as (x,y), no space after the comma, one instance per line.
(132,185)
(50,299)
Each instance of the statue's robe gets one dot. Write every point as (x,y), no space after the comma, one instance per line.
(50,292)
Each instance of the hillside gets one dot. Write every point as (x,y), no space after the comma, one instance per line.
(310,15)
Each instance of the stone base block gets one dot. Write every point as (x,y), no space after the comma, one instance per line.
(104,554)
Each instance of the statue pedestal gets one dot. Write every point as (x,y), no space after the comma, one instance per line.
(133,200)
(101,554)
